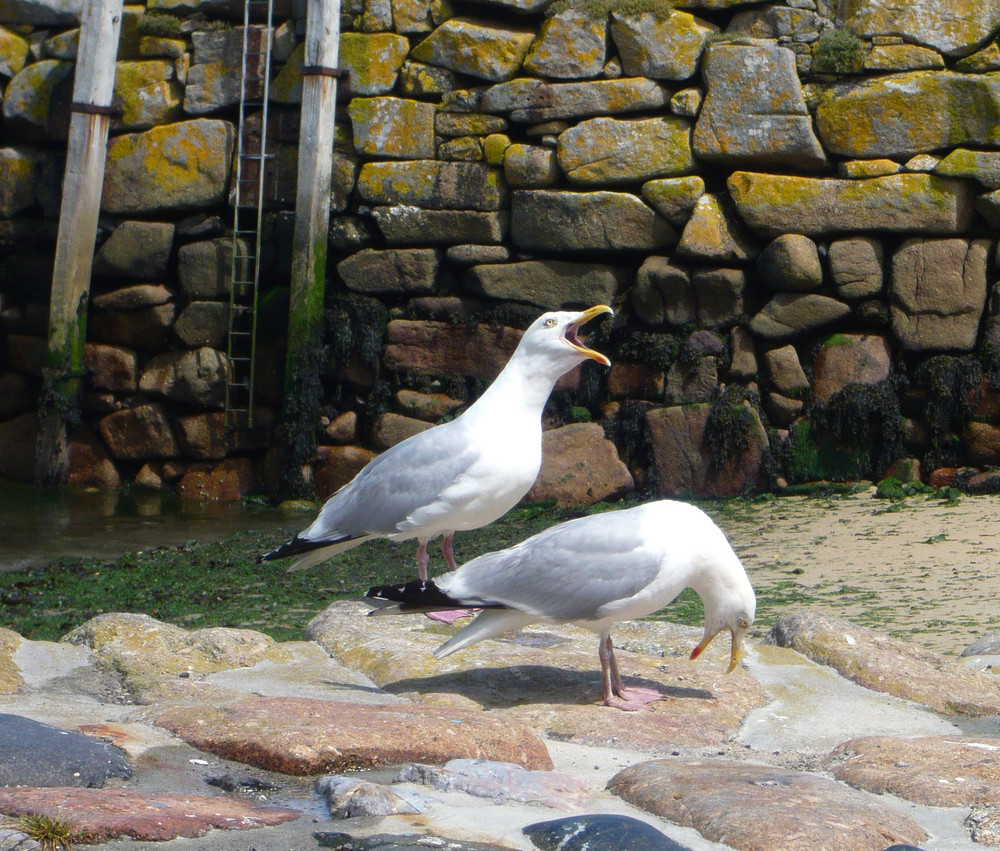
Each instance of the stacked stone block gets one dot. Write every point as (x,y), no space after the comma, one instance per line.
(791,206)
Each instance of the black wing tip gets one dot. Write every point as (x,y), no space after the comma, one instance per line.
(296,547)
(416,592)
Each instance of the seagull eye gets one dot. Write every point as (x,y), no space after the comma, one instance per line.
(743,623)
(550,323)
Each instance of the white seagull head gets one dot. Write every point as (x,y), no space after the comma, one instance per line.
(553,338)
(731,608)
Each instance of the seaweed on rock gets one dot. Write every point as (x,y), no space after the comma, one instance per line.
(731,422)
(867,418)
(355,327)
(948,381)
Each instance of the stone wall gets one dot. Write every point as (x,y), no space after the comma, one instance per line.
(791,207)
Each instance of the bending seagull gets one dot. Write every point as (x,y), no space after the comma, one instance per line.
(462,474)
(592,572)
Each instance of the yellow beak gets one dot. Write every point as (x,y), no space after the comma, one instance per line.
(735,651)
(585,317)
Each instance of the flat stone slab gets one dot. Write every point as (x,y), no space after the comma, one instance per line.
(109,813)
(889,665)
(301,736)
(773,204)
(939,771)
(760,808)
(547,677)
(150,654)
(41,755)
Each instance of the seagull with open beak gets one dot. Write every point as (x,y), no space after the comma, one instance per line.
(462,474)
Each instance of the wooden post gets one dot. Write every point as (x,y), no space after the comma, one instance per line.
(81,202)
(303,389)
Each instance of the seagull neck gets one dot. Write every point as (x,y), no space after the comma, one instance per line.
(519,390)
(721,589)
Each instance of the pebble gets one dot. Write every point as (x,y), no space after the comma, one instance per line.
(349,797)
(389,842)
(499,781)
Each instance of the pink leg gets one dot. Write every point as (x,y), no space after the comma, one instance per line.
(451,615)
(422,559)
(447,551)
(615,693)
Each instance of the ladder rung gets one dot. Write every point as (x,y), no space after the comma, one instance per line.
(249,197)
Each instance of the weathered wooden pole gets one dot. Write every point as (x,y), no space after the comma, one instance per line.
(81,202)
(303,389)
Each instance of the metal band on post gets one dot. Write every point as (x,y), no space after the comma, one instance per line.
(323,71)
(94,109)
(342,76)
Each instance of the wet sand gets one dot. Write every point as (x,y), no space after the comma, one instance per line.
(922,569)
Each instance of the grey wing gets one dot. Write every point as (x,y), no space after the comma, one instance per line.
(404,478)
(565,573)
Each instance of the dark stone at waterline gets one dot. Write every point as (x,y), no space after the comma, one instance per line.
(599,833)
(34,754)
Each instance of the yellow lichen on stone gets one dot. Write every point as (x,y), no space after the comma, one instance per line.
(172,166)
(392,127)
(495,147)
(13,52)
(608,151)
(29,96)
(146,92)
(147,652)
(373,60)
(152,47)
(18,178)
(10,676)
(906,114)
(469,47)
(569,45)
(286,87)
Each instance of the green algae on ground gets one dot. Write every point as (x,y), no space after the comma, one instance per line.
(838,551)
(222,584)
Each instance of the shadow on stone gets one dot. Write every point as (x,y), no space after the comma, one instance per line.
(499,688)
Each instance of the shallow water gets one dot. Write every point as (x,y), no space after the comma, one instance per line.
(40,524)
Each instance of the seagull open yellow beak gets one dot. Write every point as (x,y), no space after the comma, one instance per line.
(583,319)
(735,651)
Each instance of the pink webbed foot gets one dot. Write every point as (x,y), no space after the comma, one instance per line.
(633,699)
(450,616)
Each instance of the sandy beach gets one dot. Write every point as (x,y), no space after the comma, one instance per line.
(922,569)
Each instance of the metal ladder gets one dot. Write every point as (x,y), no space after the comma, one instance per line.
(248,210)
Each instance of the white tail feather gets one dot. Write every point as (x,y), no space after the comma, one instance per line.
(488,624)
